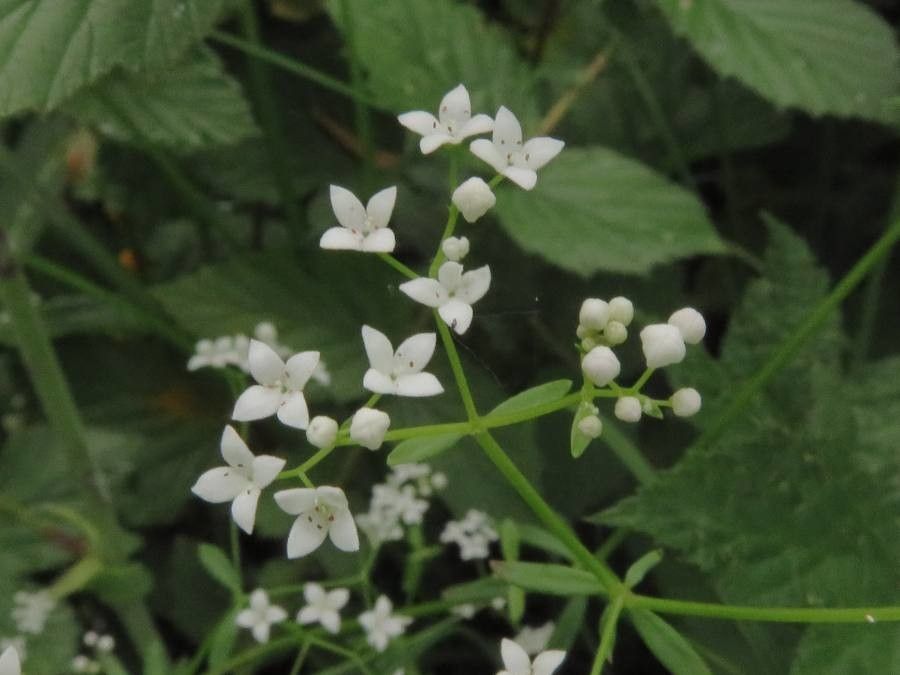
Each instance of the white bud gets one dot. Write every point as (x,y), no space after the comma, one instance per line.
(106,644)
(594,314)
(455,248)
(90,638)
(628,409)
(691,324)
(266,332)
(322,431)
(621,310)
(473,199)
(368,427)
(583,332)
(685,402)
(601,366)
(615,333)
(591,426)
(662,344)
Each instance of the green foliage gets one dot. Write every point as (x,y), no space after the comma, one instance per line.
(421,449)
(219,567)
(550,579)
(667,644)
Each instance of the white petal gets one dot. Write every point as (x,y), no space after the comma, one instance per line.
(343,532)
(427,291)
(299,368)
(456,314)
(474,285)
(266,469)
(380,206)
(507,135)
(296,500)
(414,353)
(379,241)
(246,618)
(221,484)
(256,403)
(515,659)
(538,151)
(9,662)
(546,662)
(293,412)
(313,593)
(308,615)
(524,178)
(379,349)
(275,614)
(419,121)
(432,142)
(379,383)
(243,508)
(331,621)
(259,601)
(235,451)
(261,632)
(332,497)
(484,150)
(265,365)
(450,275)
(455,109)
(305,537)
(338,598)
(418,385)
(341,239)
(347,208)
(480,124)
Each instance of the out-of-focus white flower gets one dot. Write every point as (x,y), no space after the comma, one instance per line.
(473,534)
(662,344)
(322,431)
(686,402)
(691,324)
(453,293)
(466,610)
(323,606)
(31,611)
(601,365)
(453,124)
(216,353)
(260,616)
(399,372)
(9,662)
(628,409)
(473,198)
(369,426)
(534,639)
(381,624)
(517,662)
(321,512)
(85,664)
(241,482)
(455,248)
(400,501)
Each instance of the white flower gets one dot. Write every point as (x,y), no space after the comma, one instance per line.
(591,426)
(280,388)
(381,624)
(361,228)
(473,198)
(506,153)
(321,512)
(685,402)
(453,293)
(534,639)
(322,431)
(621,310)
(691,324)
(241,482)
(473,534)
(453,124)
(216,353)
(516,661)
(399,372)
(628,409)
(601,365)
(369,426)
(455,248)
(31,611)
(9,662)
(465,611)
(594,314)
(663,345)
(260,616)
(323,606)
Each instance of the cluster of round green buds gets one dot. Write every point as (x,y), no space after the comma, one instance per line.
(602,323)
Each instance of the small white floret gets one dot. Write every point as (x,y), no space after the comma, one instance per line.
(517,662)
(601,365)
(628,409)
(322,431)
(663,345)
(362,228)
(399,372)
(260,616)
(323,607)
(594,314)
(321,512)
(686,402)
(369,426)
(453,124)
(381,624)
(691,324)
(453,293)
(473,198)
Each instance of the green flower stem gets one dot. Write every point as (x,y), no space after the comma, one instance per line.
(397,265)
(642,380)
(608,624)
(76,578)
(452,217)
(458,372)
(301,657)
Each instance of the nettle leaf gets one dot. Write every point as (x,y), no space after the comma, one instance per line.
(837,650)
(50,49)
(826,57)
(594,209)
(191,105)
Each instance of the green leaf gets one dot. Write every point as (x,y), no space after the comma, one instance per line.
(549,579)
(826,57)
(837,650)
(191,105)
(667,644)
(641,566)
(223,639)
(480,590)
(421,449)
(578,441)
(126,583)
(535,396)
(219,567)
(568,624)
(594,209)
(50,49)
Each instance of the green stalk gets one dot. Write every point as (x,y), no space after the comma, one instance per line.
(398,266)
(458,372)
(609,622)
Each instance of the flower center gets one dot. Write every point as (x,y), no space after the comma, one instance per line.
(320,516)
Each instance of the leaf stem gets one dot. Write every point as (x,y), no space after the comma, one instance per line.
(609,622)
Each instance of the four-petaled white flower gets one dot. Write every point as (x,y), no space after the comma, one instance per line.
(241,482)
(9,662)
(516,661)
(280,388)
(323,606)
(260,616)
(509,156)
(453,293)
(362,228)
(399,372)
(381,624)
(321,512)
(453,124)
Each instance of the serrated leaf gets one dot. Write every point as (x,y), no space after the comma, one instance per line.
(219,567)
(827,56)
(667,644)
(535,396)
(415,450)
(594,209)
(838,650)
(50,49)
(549,579)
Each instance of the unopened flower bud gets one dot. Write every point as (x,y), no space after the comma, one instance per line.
(691,324)
(591,426)
(588,343)
(621,310)
(473,199)
(601,366)
(662,344)
(594,314)
(455,248)
(628,409)
(615,333)
(685,402)
(368,427)
(322,431)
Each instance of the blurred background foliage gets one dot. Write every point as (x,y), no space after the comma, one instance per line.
(161,184)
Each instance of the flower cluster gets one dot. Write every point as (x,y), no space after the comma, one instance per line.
(473,534)
(98,644)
